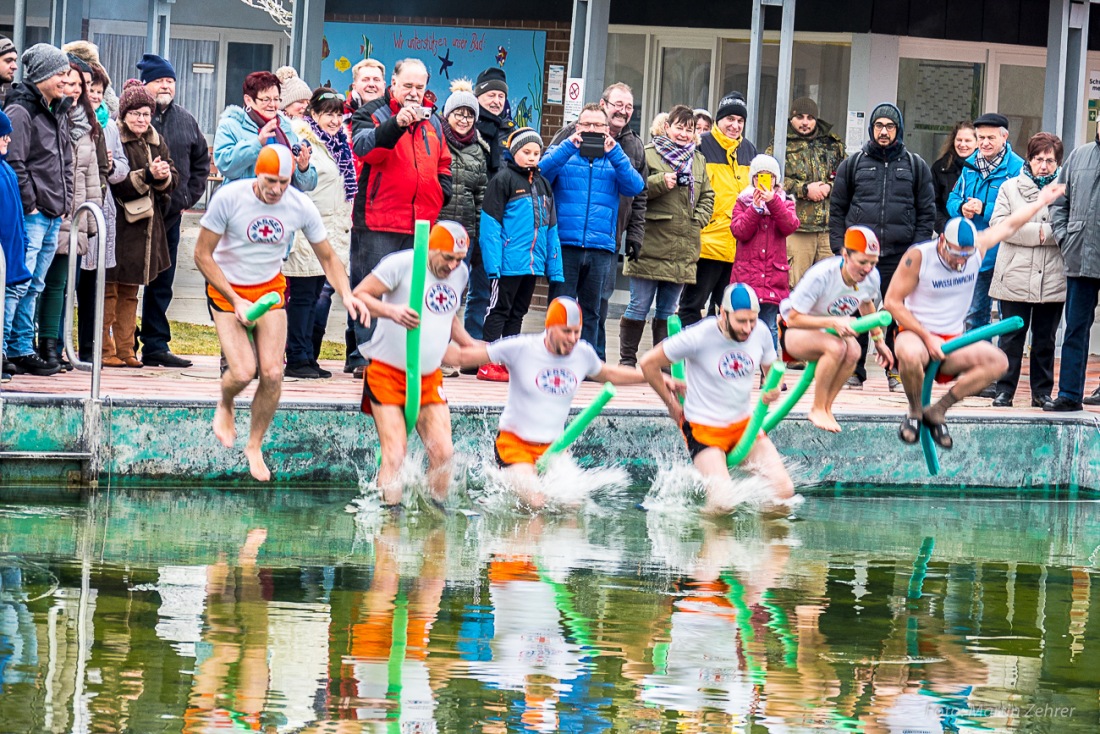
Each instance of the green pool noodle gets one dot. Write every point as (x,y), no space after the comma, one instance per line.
(576,428)
(878,319)
(931,456)
(396,662)
(265,303)
(412,338)
(677,369)
(920,569)
(748,438)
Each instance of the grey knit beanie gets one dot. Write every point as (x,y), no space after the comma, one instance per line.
(41,61)
(462,95)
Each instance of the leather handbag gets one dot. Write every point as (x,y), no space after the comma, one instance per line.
(138,209)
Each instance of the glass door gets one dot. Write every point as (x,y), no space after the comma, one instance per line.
(683,76)
(241,60)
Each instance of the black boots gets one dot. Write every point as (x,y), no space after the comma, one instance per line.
(630,335)
(660,331)
(50,350)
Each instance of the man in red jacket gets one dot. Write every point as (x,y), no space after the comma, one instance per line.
(406,174)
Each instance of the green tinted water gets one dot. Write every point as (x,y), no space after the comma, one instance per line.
(282,612)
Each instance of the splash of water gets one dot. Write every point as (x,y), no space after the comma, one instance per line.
(565,485)
(679,489)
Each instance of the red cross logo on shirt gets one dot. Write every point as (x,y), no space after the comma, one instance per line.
(266,231)
(734,365)
(441,299)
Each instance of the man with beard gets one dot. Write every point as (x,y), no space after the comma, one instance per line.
(618,102)
(191,157)
(406,175)
(889,190)
(814,153)
(9,63)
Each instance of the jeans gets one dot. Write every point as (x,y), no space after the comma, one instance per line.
(302,294)
(605,305)
(155,332)
(477,301)
(586,272)
(1043,320)
(42,234)
(887,266)
(1081,295)
(769,315)
(643,291)
(981,306)
(367,250)
(320,322)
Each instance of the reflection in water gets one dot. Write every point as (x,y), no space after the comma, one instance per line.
(173,612)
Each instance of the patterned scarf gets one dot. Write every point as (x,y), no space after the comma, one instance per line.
(338,148)
(1041,181)
(677,156)
(986,166)
(260,120)
(79,126)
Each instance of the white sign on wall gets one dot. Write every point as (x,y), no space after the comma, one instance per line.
(574,98)
(856,134)
(555,87)
(1094,85)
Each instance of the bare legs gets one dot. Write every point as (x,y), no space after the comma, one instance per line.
(434,427)
(270,337)
(765,460)
(836,359)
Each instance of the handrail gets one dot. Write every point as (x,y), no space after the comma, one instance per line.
(96,365)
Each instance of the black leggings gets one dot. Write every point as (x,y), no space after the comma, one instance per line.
(509,299)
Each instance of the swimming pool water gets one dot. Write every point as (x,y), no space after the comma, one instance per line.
(154,611)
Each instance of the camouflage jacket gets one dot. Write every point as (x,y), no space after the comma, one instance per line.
(809,160)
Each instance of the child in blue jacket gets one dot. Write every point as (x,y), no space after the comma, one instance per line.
(518,240)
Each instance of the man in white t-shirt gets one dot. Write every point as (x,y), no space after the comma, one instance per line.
(245,234)
(386,293)
(929,298)
(829,295)
(546,370)
(722,356)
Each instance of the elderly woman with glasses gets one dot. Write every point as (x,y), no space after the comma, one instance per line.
(1029,277)
(323,128)
(243,131)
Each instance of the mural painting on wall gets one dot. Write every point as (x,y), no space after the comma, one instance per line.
(448,52)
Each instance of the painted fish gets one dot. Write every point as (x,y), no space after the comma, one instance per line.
(367,48)
(523,114)
(342,64)
(502,56)
(324,48)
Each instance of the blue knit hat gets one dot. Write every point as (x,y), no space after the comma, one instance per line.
(153,67)
(5,125)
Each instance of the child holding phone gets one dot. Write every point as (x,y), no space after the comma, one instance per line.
(763,218)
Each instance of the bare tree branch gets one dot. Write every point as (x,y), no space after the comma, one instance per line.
(281,11)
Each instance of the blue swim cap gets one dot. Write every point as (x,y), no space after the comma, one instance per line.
(739,296)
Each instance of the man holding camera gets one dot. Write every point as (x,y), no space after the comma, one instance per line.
(589,172)
(406,174)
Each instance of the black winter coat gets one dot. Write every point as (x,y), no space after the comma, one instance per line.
(41,151)
(190,155)
(891,194)
(945,172)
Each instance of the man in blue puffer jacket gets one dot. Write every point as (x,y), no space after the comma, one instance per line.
(975,194)
(587,192)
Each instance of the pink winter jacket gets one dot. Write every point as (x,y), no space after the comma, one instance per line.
(761,258)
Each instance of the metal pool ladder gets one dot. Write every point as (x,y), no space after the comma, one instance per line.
(88,451)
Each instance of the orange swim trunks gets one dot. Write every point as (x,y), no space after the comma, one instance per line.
(253,293)
(941,377)
(701,437)
(511,449)
(385,385)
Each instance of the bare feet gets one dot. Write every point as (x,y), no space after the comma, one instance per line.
(824,420)
(256,464)
(391,494)
(225,429)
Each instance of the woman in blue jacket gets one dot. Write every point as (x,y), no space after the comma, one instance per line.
(519,235)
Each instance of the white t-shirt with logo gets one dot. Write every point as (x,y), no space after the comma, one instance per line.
(720,372)
(541,385)
(441,299)
(823,292)
(256,237)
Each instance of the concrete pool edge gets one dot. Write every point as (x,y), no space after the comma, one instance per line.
(168,442)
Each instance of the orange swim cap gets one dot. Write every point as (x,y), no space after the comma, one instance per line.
(275,160)
(862,239)
(448,236)
(563,311)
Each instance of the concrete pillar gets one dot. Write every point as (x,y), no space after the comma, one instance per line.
(873,75)
(306,31)
(783,83)
(756,56)
(1064,97)
(19,34)
(588,45)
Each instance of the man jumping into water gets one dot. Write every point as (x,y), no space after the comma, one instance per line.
(828,296)
(386,293)
(722,354)
(546,370)
(929,298)
(244,237)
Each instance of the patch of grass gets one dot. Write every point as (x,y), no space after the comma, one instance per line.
(202,339)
